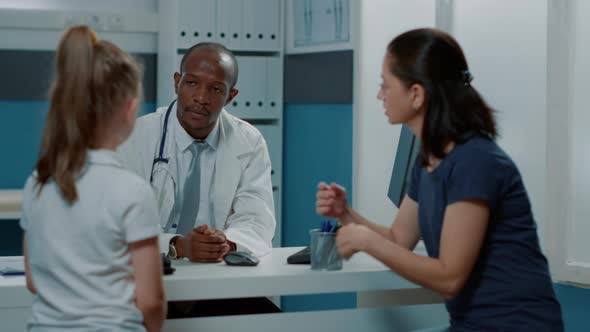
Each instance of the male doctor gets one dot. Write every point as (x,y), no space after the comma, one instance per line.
(210,171)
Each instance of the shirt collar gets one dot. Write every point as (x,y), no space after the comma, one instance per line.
(103,157)
(184,140)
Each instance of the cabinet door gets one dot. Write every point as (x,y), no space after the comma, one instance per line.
(242,104)
(230,23)
(238,105)
(250,102)
(301,22)
(342,20)
(196,22)
(261,24)
(323,21)
(274,88)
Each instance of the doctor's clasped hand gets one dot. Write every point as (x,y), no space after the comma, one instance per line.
(203,244)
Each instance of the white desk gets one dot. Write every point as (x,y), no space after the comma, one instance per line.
(273,276)
(10,204)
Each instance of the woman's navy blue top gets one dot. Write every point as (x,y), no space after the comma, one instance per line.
(510,288)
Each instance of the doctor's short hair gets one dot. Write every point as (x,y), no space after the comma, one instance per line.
(219,49)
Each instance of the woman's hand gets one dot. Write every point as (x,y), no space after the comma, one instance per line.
(353,238)
(331,202)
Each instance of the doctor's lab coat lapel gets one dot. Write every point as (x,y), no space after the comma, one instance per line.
(228,171)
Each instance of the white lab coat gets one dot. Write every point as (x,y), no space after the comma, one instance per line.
(242,199)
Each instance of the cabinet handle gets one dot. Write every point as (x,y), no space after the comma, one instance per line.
(222,35)
(196,34)
(336,18)
(182,33)
(235,35)
(340,20)
(307,19)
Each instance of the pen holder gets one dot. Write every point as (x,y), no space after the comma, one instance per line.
(324,253)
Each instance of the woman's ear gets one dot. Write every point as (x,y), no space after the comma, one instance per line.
(418,95)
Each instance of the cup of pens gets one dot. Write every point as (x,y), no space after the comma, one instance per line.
(324,253)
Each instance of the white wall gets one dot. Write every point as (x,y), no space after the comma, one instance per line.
(374,139)
(509,63)
(581,134)
(578,251)
(537,74)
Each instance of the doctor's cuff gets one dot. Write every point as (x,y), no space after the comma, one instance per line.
(164,242)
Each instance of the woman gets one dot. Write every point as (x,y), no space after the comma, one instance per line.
(91,227)
(466,198)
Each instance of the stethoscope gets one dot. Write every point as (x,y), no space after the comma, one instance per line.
(160,158)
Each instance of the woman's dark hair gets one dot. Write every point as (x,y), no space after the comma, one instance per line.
(453,108)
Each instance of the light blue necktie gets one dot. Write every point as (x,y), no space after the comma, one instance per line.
(192,189)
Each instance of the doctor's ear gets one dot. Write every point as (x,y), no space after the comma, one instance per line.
(177,77)
(232,94)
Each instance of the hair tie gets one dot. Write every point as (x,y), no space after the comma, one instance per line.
(93,37)
(467,77)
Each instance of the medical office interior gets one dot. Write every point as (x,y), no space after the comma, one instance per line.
(309,75)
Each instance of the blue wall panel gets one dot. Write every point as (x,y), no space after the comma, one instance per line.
(575,305)
(317,147)
(20,133)
(21,130)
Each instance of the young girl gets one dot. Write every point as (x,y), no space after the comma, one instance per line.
(91,227)
(466,198)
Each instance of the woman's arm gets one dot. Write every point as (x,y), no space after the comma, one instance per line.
(149,288)
(331,202)
(29,279)
(464,229)
(404,231)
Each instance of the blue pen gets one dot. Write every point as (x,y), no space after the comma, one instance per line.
(334,227)
(326,226)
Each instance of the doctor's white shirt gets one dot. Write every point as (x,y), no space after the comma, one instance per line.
(183,159)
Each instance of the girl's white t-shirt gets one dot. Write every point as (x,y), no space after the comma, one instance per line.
(79,255)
